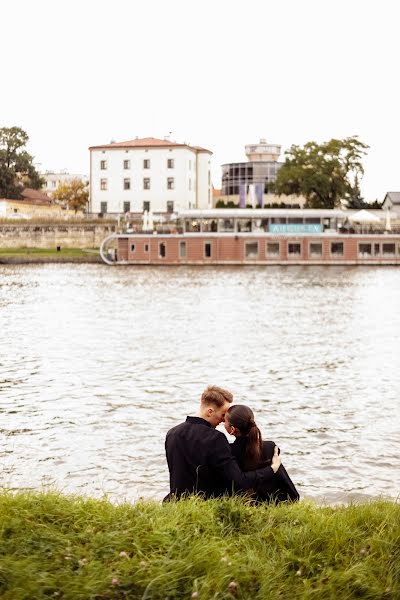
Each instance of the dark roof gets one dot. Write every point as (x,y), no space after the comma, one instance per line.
(148,142)
(394,197)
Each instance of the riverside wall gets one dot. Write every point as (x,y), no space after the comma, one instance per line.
(53,235)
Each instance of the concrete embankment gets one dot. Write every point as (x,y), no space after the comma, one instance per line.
(53,235)
(52,242)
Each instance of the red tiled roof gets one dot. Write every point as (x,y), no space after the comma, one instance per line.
(148,142)
(35,196)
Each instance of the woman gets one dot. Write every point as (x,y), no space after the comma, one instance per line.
(252,453)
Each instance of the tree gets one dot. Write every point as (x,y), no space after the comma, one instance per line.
(16,165)
(73,194)
(323,173)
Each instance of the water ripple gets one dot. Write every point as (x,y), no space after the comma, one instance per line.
(98,363)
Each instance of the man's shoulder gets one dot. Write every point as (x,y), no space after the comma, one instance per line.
(201,429)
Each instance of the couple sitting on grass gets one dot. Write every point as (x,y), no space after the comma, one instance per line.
(201,460)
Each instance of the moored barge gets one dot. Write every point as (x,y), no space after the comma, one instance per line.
(257,237)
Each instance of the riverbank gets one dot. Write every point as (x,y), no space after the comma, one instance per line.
(55,546)
(19,256)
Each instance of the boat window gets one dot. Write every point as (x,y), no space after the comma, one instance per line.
(182,249)
(209,225)
(364,250)
(388,249)
(295,220)
(312,220)
(226,225)
(337,248)
(162,250)
(251,249)
(272,249)
(315,249)
(192,226)
(207,249)
(243,225)
(294,249)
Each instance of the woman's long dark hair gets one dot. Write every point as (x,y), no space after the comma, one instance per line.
(242,417)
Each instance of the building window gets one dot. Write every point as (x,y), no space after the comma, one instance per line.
(103,184)
(103,207)
(251,249)
(103,165)
(162,250)
(146,183)
(127,207)
(294,249)
(337,248)
(146,247)
(377,250)
(146,163)
(170,206)
(315,249)
(53,184)
(146,206)
(388,250)
(132,247)
(207,249)
(127,164)
(170,183)
(190,165)
(190,184)
(182,249)
(272,249)
(170,163)
(127,183)
(364,250)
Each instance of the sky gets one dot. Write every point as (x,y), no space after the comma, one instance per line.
(213,73)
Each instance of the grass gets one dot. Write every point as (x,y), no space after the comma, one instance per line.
(22,255)
(56,546)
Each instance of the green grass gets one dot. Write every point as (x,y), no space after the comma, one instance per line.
(47,254)
(55,546)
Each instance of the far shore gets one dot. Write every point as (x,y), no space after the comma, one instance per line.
(20,256)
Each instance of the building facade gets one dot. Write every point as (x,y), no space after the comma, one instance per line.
(54,179)
(149,174)
(247,183)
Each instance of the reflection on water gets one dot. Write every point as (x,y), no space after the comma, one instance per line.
(97,363)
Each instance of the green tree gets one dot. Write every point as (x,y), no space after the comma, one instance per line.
(323,173)
(16,165)
(73,195)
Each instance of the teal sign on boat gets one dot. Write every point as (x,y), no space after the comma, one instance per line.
(295,228)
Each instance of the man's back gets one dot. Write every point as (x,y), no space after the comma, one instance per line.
(196,454)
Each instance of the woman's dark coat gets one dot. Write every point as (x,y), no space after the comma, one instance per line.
(277,489)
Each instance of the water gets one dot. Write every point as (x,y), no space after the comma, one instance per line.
(97,363)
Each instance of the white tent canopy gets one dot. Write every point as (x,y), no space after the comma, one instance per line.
(363,216)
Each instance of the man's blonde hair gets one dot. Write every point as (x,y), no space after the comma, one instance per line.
(216,396)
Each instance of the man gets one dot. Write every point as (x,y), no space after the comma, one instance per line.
(199,457)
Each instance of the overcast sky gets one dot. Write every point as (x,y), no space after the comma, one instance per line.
(216,73)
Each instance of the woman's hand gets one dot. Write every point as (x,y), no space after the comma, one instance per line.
(276,460)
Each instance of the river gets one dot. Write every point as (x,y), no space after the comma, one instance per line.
(97,363)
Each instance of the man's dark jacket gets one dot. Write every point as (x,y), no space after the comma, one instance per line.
(200,461)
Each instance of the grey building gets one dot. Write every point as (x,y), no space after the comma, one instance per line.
(256,174)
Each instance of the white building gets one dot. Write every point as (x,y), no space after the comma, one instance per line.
(54,179)
(149,174)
